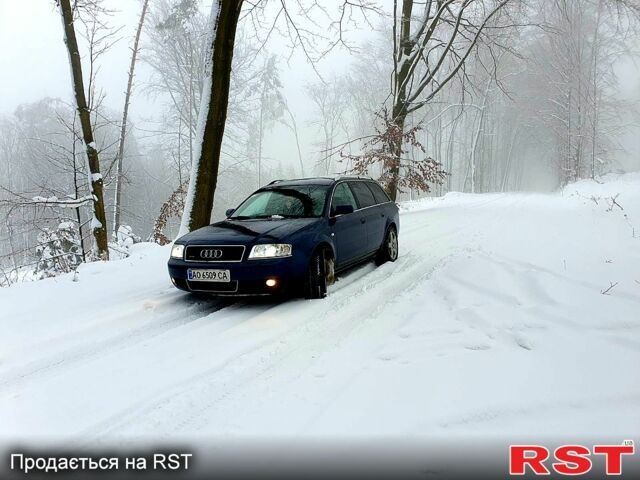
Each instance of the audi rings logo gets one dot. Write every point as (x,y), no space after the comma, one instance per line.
(211,253)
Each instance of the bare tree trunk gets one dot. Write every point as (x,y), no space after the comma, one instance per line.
(476,137)
(123,126)
(450,151)
(414,88)
(507,169)
(438,147)
(77,192)
(212,116)
(179,150)
(260,135)
(400,74)
(99,223)
(191,103)
(568,166)
(396,149)
(294,127)
(594,79)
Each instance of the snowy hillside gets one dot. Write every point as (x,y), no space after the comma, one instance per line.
(505,313)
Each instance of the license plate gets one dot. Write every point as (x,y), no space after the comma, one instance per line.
(209,275)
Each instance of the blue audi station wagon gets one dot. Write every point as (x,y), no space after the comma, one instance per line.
(290,237)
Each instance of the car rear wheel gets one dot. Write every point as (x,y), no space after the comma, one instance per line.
(316,285)
(389,249)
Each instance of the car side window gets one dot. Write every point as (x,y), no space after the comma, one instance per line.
(343,195)
(378,192)
(363,194)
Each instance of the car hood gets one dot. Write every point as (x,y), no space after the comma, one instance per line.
(246,231)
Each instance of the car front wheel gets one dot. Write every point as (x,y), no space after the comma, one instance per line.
(316,284)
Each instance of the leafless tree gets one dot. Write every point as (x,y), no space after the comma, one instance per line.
(271,104)
(330,102)
(430,50)
(212,116)
(125,112)
(99,224)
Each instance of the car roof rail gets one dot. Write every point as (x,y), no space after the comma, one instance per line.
(352,177)
(295,179)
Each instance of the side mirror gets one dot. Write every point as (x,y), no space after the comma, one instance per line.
(343,210)
(229,212)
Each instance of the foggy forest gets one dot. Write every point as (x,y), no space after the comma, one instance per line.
(426,97)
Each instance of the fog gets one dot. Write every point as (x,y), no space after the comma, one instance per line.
(546,97)
(35,66)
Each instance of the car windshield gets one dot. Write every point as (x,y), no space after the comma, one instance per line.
(286,202)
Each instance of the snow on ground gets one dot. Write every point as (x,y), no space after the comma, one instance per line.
(491,322)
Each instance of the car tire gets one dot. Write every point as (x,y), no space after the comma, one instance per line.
(316,284)
(389,249)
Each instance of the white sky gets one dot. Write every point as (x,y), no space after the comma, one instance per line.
(33,64)
(34,60)
(31,54)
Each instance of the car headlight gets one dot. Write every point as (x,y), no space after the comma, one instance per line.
(271,250)
(177,251)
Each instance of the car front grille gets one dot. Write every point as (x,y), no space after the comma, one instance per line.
(214,253)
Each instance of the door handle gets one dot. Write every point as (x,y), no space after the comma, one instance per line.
(382,215)
(363,220)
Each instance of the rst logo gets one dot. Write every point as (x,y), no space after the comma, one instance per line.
(567,459)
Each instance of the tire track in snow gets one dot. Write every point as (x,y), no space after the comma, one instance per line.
(237,377)
(174,318)
(256,360)
(263,363)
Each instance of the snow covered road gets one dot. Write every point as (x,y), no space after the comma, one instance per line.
(492,321)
